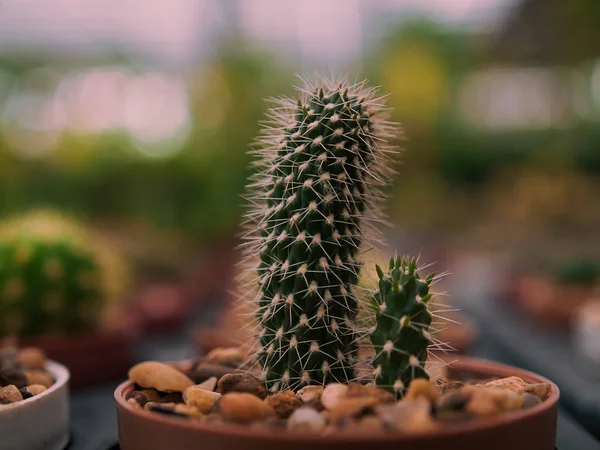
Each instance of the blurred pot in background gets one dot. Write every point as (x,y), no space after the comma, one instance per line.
(63,290)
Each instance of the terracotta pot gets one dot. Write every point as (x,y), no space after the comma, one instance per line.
(550,305)
(163,307)
(92,358)
(40,422)
(531,429)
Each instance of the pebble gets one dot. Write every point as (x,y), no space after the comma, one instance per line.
(284,403)
(188,410)
(10,394)
(407,415)
(32,358)
(11,371)
(332,394)
(164,408)
(38,377)
(530,400)
(25,393)
(242,382)
(519,386)
(208,385)
(483,404)
(36,389)
(352,407)
(452,401)
(359,390)
(230,357)
(422,388)
(200,398)
(310,393)
(204,371)
(241,407)
(159,376)
(306,419)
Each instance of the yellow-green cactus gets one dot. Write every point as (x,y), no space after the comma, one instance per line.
(52,277)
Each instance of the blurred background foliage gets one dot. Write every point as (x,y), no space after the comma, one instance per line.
(502,126)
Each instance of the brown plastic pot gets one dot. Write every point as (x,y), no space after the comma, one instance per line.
(92,358)
(163,307)
(531,429)
(548,304)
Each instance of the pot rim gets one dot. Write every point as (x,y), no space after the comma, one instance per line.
(61,376)
(475,365)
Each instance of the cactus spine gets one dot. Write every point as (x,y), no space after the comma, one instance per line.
(401,336)
(321,161)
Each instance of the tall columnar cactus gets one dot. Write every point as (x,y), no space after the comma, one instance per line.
(50,280)
(402,334)
(321,159)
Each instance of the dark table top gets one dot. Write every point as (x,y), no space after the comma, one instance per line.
(93,415)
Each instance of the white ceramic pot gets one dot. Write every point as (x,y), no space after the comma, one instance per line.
(40,422)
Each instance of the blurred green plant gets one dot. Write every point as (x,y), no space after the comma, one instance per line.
(54,277)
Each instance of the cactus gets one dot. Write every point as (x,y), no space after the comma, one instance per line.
(579,271)
(315,201)
(401,336)
(50,279)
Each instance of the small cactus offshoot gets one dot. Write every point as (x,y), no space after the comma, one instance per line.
(401,336)
(314,201)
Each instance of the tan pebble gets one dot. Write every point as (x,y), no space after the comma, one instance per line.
(155,405)
(306,419)
(358,390)
(505,400)
(188,410)
(32,358)
(332,394)
(310,393)
(230,356)
(159,376)
(284,403)
(200,398)
(208,385)
(133,403)
(242,382)
(10,394)
(241,407)
(407,415)
(36,389)
(520,386)
(540,390)
(422,388)
(39,377)
(530,400)
(414,415)
(482,404)
(352,407)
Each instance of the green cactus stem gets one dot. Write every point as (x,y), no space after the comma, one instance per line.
(314,204)
(402,335)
